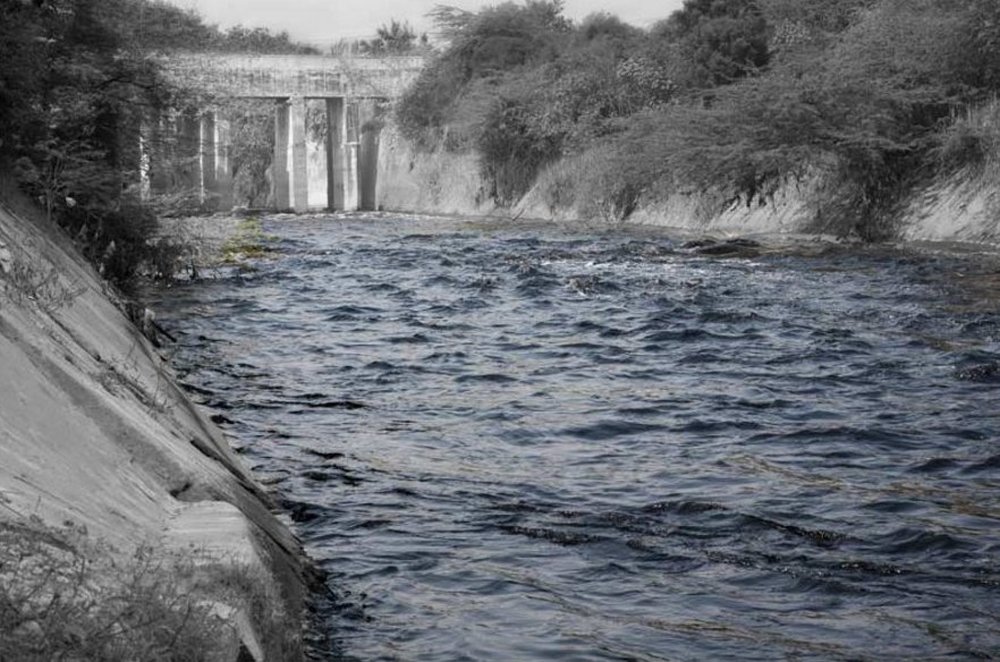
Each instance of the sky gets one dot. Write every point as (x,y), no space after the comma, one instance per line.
(324,22)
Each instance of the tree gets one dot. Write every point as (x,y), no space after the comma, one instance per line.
(721,41)
(822,16)
(483,45)
(508,36)
(977,60)
(396,38)
(798,25)
(259,40)
(607,27)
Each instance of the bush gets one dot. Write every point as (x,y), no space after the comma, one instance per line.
(64,597)
(119,242)
(719,41)
(866,113)
(976,60)
(971,140)
(865,96)
(493,42)
(594,184)
(522,88)
(55,603)
(512,150)
(817,20)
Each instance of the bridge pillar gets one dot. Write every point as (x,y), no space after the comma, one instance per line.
(335,129)
(208,154)
(216,180)
(342,152)
(145,185)
(162,130)
(188,146)
(351,140)
(223,168)
(368,156)
(186,152)
(289,171)
(149,136)
(299,172)
(279,163)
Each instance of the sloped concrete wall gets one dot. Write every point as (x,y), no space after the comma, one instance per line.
(441,182)
(95,432)
(963,207)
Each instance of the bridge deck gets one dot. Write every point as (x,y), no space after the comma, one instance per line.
(278,76)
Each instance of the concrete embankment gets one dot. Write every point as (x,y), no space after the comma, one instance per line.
(97,438)
(963,207)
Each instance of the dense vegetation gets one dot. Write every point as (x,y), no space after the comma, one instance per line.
(725,98)
(394,38)
(76,82)
(66,597)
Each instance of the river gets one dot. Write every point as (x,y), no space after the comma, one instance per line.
(514,441)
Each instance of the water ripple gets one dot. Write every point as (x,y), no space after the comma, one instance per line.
(517,442)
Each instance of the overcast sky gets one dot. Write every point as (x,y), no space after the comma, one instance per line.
(324,22)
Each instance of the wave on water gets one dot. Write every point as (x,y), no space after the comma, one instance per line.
(515,442)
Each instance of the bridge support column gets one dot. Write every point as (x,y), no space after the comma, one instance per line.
(299,172)
(208,151)
(188,146)
(279,163)
(162,130)
(342,154)
(186,152)
(223,169)
(148,134)
(335,129)
(289,170)
(216,180)
(351,140)
(368,156)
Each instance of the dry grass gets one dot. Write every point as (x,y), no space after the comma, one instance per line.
(64,597)
(24,278)
(971,140)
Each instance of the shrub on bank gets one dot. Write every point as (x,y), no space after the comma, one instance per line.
(484,45)
(56,603)
(65,597)
(730,100)
(867,112)
(971,140)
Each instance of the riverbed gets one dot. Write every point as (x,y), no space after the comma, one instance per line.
(516,441)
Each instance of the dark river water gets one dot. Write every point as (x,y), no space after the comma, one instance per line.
(524,442)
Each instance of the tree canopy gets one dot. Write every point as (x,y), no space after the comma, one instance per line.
(77,82)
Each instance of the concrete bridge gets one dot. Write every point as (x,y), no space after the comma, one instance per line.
(352,89)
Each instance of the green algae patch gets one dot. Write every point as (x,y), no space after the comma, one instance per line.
(248,242)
